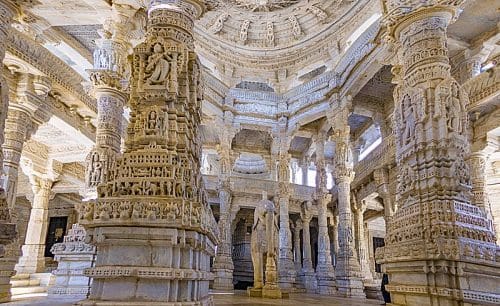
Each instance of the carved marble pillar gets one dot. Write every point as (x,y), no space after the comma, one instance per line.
(347,271)
(8,248)
(335,237)
(466,65)
(310,281)
(296,246)
(324,269)
(286,271)
(381,178)
(33,258)
(108,76)
(16,130)
(223,263)
(362,247)
(478,161)
(295,169)
(151,223)
(436,235)
(305,167)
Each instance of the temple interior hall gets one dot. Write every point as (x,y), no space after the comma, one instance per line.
(249,152)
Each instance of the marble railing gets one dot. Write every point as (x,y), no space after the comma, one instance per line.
(255,186)
(483,87)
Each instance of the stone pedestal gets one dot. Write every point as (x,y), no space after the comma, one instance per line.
(73,256)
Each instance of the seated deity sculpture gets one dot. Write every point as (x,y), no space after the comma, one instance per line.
(158,66)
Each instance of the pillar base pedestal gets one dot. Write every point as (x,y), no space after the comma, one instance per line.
(271,292)
(208,301)
(351,287)
(310,281)
(223,279)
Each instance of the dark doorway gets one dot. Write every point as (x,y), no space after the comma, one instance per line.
(55,234)
(377,243)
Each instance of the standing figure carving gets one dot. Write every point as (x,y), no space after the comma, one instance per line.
(263,242)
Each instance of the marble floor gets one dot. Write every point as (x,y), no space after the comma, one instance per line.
(237,298)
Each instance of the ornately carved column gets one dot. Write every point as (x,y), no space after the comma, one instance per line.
(33,258)
(16,129)
(381,178)
(110,72)
(296,246)
(310,281)
(437,236)
(286,271)
(223,263)
(477,163)
(8,249)
(324,269)
(152,225)
(359,210)
(347,271)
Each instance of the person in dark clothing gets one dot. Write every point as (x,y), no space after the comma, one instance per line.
(385,293)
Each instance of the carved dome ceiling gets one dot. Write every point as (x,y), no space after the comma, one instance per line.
(277,36)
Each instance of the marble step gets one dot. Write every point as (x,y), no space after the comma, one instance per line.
(24,282)
(28,290)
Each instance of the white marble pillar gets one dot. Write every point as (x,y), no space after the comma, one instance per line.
(362,248)
(33,250)
(223,263)
(435,222)
(286,271)
(111,70)
(324,269)
(310,281)
(296,246)
(305,167)
(478,162)
(8,234)
(347,271)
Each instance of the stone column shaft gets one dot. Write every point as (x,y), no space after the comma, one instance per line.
(223,263)
(286,271)
(478,162)
(8,233)
(324,268)
(360,208)
(309,277)
(33,258)
(296,246)
(347,269)
(16,130)
(306,247)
